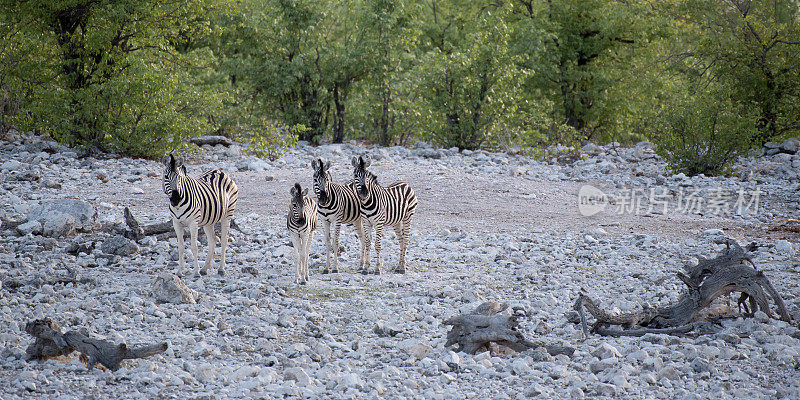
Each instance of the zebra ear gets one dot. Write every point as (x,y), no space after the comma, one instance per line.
(305,191)
(314,165)
(355,161)
(165,159)
(326,166)
(365,161)
(293,191)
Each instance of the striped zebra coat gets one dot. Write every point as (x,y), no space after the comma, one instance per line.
(393,205)
(199,202)
(336,204)
(301,222)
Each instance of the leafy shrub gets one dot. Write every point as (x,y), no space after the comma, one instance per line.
(273,140)
(704,134)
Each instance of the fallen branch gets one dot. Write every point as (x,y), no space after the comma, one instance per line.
(731,271)
(211,140)
(162,230)
(50,343)
(487,325)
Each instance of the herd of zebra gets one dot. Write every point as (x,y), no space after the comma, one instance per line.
(210,198)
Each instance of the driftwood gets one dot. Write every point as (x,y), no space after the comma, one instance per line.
(488,325)
(211,140)
(50,343)
(731,271)
(162,230)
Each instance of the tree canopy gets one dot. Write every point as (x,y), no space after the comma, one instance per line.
(139,77)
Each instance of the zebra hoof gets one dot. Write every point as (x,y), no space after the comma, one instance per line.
(202,272)
(325,271)
(334,271)
(365,272)
(303,283)
(221,272)
(399,271)
(377,271)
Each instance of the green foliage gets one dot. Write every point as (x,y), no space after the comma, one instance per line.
(750,48)
(140,77)
(702,134)
(118,80)
(273,140)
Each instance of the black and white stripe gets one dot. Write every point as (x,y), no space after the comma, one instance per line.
(336,205)
(393,205)
(301,222)
(199,202)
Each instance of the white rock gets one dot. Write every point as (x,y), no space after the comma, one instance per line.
(169,288)
(298,375)
(605,350)
(784,247)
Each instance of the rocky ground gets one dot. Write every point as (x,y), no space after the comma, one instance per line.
(489,226)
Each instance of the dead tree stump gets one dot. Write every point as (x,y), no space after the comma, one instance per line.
(731,271)
(50,343)
(488,325)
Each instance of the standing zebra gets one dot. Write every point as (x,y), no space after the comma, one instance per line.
(337,204)
(393,205)
(199,202)
(301,222)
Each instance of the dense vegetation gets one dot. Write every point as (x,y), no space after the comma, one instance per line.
(704,79)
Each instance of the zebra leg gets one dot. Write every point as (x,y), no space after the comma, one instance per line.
(297,257)
(367,245)
(179,236)
(326,229)
(364,246)
(193,243)
(336,228)
(378,237)
(306,251)
(211,238)
(398,230)
(223,242)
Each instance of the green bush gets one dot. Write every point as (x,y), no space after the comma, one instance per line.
(703,134)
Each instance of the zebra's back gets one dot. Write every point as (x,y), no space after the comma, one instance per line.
(343,206)
(210,198)
(393,204)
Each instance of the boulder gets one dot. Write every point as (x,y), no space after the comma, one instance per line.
(57,224)
(34,227)
(169,288)
(791,145)
(119,245)
(84,214)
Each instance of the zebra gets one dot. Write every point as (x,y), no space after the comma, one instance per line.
(337,204)
(199,202)
(301,222)
(393,205)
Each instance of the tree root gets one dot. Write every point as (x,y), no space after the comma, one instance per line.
(731,271)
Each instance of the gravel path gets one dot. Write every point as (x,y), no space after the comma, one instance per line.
(489,226)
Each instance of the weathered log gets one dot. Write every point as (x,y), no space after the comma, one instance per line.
(731,271)
(50,343)
(162,230)
(487,325)
(211,140)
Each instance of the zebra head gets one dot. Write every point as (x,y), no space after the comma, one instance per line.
(361,177)
(321,179)
(296,203)
(174,171)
